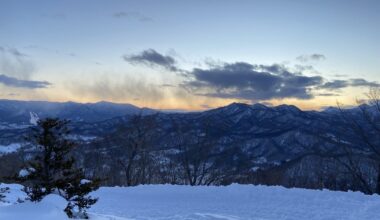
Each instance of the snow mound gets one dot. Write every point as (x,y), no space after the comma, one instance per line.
(15,207)
(48,209)
(14,194)
(55,201)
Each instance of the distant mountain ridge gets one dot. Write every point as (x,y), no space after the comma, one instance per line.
(20,112)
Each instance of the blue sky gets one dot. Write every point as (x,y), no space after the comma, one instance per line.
(76,49)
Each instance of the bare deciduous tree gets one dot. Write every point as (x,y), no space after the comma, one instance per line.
(137,138)
(358,145)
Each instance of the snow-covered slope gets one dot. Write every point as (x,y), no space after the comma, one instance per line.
(10,148)
(235,202)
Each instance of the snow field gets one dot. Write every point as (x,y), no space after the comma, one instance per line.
(235,202)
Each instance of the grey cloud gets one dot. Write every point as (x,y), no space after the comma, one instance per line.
(363,82)
(340,75)
(306,68)
(339,84)
(251,82)
(132,15)
(311,57)
(151,57)
(29,84)
(242,80)
(16,52)
(336,84)
(13,51)
(274,68)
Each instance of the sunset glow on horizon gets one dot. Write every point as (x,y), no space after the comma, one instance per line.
(193,55)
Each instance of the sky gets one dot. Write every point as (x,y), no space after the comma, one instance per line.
(190,55)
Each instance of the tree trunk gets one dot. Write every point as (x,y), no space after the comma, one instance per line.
(378,180)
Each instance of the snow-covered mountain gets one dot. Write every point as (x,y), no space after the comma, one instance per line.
(26,112)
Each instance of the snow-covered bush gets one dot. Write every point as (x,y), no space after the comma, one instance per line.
(11,194)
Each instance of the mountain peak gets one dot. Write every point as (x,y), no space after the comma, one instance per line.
(237,104)
(231,108)
(290,108)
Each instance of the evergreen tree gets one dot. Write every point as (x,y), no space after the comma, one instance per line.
(2,191)
(52,170)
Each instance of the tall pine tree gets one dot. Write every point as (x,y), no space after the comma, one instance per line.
(52,170)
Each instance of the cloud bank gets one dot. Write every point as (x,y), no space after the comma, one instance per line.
(340,84)
(28,84)
(254,82)
(242,80)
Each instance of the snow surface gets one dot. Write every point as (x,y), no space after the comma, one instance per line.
(77,137)
(26,172)
(33,118)
(12,126)
(235,202)
(7,149)
(84,181)
(48,209)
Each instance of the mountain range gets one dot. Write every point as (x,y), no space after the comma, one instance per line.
(234,143)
